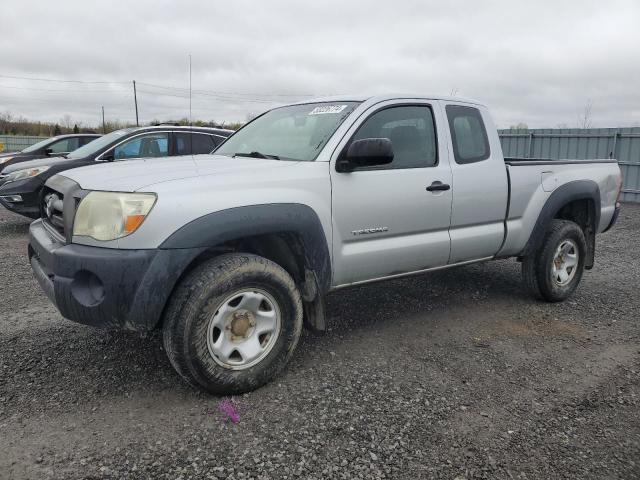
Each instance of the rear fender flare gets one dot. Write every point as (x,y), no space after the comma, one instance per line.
(563,195)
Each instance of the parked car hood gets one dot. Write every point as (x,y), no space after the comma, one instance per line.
(132,175)
(9,154)
(34,163)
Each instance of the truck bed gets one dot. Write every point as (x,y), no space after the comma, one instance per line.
(533,180)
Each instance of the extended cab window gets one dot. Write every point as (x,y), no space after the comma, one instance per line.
(196,143)
(150,145)
(468,134)
(412,133)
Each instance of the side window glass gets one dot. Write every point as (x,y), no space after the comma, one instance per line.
(65,146)
(412,132)
(144,146)
(202,144)
(216,140)
(196,143)
(182,144)
(468,134)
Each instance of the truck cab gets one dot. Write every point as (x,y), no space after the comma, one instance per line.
(422,198)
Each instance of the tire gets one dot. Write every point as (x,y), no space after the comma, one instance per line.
(538,272)
(223,306)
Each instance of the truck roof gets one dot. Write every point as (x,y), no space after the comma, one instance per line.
(385,97)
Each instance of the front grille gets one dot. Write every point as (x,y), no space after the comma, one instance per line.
(58,204)
(52,210)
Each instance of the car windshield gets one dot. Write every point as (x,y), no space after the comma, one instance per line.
(296,132)
(39,145)
(98,144)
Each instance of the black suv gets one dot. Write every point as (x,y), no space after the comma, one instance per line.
(51,147)
(21,185)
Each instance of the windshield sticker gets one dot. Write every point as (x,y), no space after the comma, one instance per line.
(327,109)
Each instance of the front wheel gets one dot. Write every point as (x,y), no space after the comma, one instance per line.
(233,323)
(554,271)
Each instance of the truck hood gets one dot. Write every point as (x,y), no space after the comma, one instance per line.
(139,174)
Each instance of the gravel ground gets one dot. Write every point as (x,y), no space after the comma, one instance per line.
(456,375)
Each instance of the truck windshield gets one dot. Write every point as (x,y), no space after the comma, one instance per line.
(296,132)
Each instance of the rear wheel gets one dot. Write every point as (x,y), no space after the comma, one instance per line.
(554,271)
(233,323)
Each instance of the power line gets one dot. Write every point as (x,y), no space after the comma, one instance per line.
(50,100)
(60,90)
(57,80)
(216,97)
(230,93)
(150,89)
(119,92)
(154,85)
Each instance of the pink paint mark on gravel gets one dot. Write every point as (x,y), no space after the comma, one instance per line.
(227,408)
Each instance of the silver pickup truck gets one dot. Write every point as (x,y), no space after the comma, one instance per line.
(230,253)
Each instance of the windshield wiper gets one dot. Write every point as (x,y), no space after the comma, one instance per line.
(255,154)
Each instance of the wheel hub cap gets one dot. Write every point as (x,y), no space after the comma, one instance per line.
(241,322)
(565,262)
(243,329)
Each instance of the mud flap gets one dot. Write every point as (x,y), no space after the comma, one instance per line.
(314,315)
(313,303)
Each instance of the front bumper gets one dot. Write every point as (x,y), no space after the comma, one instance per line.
(29,192)
(104,287)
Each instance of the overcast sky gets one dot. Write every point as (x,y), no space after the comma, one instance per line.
(533,62)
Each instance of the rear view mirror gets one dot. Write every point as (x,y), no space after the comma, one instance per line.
(367,152)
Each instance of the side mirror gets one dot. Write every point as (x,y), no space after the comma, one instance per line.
(367,152)
(108,157)
(48,151)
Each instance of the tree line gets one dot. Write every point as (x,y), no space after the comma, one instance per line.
(19,125)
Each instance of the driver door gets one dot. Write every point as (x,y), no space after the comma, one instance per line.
(386,221)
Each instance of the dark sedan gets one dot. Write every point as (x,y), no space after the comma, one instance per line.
(21,185)
(51,147)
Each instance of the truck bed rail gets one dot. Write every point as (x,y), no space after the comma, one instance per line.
(547,161)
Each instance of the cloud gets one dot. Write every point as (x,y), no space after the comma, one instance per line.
(537,63)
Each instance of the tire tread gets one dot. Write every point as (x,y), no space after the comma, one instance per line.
(534,266)
(186,300)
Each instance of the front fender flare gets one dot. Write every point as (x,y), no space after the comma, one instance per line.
(239,222)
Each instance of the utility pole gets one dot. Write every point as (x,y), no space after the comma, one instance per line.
(135,99)
(104,127)
(190,118)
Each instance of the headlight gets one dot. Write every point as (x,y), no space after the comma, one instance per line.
(26,173)
(5,159)
(112,215)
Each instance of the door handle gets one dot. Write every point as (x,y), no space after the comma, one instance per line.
(438,186)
